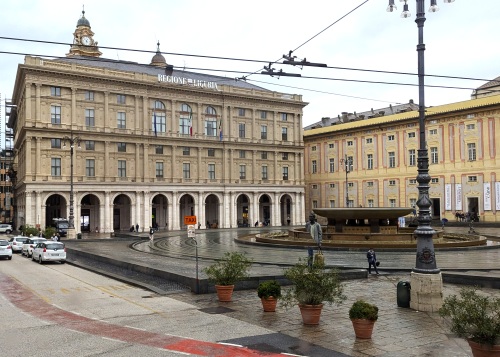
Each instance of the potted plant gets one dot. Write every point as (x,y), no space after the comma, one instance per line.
(269,292)
(312,286)
(476,318)
(363,316)
(225,272)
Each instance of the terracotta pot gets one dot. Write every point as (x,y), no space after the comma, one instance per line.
(479,350)
(224,292)
(310,313)
(363,328)
(269,304)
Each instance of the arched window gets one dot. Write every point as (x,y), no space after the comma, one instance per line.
(159,118)
(210,122)
(186,120)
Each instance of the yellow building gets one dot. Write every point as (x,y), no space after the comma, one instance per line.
(463,143)
(149,145)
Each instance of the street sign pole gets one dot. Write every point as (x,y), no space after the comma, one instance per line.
(192,234)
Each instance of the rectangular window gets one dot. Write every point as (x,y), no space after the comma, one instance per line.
(332,185)
(264,172)
(122,147)
(331,146)
(122,168)
(392,182)
(350,203)
(313,148)
(284,116)
(55,114)
(186,151)
(285,173)
(89,117)
(331,163)
(55,166)
(284,134)
(55,91)
(284,156)
(314,187)
(159,149)
(315,204)
(434,180)
(241,130)
(90,167)
(184,125)
(412,181)
(211,152)
(392,202)
(314,166)
(412,157)
(211,171)
(55,143)
(263,131)
(370,203)
(332,203)
(472,178)
(369,184)
(369,140)
(159,169)
(90,145)
(390,137)
(186,170)
(121,120)
(211,127)
(471,150)
(243,170)
(369,161)
(159,123)
(470,126)
(89,95)
(411,134)
(120,98)
(241,112)
(434,155)
(242,154)
(433,131)
(263,114)
(392,159)
(263,155)
(350,184)
(350,143)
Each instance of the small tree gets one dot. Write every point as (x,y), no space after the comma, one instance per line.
(29,230)
(48,232)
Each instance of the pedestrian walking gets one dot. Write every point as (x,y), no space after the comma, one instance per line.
(137,227)
(54,237)
(151,233)
(372,260)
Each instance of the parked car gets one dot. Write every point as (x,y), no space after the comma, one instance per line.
(49,251)
(5,228)
(17,243)
(30,244)
(5,249)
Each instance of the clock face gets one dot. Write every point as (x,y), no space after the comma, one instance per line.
(86,40)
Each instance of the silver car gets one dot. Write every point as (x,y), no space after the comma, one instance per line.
(17,243)
(5,249)
(29,245)
(49,251)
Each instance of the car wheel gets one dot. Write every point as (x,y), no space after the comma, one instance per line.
(40,259)
(63,261)
(10,257)
(8,231)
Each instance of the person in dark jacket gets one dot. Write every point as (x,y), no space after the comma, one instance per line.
(372,260)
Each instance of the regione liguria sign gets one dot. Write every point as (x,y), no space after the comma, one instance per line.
(187,81)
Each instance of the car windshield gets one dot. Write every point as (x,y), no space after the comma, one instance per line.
(63,225)
(18,239)
(38,240)
(4,242)
(54,246)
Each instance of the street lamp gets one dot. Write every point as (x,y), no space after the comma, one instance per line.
(347,162)
(71,221)
(426,273)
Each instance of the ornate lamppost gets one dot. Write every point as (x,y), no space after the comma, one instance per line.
(71,220)
(426,279)
(347,163)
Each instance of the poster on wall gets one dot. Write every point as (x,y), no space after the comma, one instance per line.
(447,197)
(458,197)
(487,196)
(497,196)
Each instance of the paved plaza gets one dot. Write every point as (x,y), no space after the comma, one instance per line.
(398,332)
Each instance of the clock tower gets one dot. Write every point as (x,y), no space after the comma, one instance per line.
(83,40)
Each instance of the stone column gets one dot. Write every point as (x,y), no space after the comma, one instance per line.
(201,212)
(138,217)
(173,163)
(38,208)
(73,107)
(276,168)
(146,163)
(255,208)
(200,176)
(254,167)
(27,159)
(137,162)
(38,158)
(147,211)
(28,212)
(38,104)
(107,167)
(27,93)
(108,213)
(175,212)
(147,124)
(107,127)
(426,292)
(172,122)
(137,117)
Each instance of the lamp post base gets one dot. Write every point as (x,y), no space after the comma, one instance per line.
(71,233)
(426,292)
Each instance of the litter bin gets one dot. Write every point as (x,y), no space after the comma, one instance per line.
(78,236)
(403,294)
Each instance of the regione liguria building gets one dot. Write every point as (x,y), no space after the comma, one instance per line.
(151,145)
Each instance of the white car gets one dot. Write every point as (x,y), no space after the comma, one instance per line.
(17,243)
(5,228)
(29,245)
(49,251)
(5,249)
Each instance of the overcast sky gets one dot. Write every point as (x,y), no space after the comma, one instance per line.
(461,40)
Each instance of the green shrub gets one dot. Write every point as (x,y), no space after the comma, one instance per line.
(231,268)
(363,310)
(269,288)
